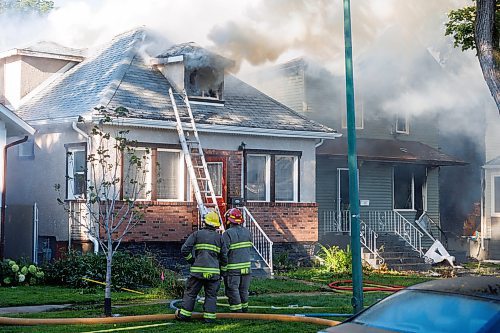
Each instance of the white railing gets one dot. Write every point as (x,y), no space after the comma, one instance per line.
(261,242)
(393,222)
(335,222)
(368,238)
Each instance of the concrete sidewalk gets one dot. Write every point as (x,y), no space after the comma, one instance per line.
(32,308)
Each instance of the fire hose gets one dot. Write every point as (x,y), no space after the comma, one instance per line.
(159,317)
(346,285)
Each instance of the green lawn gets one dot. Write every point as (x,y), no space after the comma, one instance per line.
(276,296)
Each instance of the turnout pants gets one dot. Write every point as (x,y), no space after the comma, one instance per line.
(193,287)
(236,287)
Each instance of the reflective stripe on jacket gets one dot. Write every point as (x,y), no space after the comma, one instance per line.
(237,241)
(203,250)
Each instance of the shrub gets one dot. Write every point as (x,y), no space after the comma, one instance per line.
(282,263)
(336,260)
(129,270)
(19,273)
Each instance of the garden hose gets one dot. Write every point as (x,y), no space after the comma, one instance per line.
(102,283)
(159,317)
(372,286)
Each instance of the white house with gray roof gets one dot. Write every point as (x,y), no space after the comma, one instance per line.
(257,148)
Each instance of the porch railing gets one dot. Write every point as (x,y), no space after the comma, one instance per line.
(393,222)
(334,221)
(261,242)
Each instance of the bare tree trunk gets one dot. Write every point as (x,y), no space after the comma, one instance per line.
(107,292)
(487,46)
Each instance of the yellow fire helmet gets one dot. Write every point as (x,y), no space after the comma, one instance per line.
(212,219)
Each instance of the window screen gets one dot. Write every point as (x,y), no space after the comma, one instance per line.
(168,167)
(136,174)
(76,167)
(284,176)
(256,188)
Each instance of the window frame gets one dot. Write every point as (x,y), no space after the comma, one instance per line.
(360,111)
(492,197)
(267,177)
(147,189)
(270,170)
(406,117)
(181,176)
(412,209)
(70,180)
(295,178)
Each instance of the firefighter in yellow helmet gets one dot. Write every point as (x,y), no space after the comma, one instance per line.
(237,241)
(203,250)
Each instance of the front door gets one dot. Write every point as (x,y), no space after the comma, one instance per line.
(218,174)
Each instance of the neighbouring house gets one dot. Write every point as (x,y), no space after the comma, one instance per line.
(257,148)
(399,158)
(486,243)
(13,132)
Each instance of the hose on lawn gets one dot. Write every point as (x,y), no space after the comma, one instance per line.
(346,285)
(159,317)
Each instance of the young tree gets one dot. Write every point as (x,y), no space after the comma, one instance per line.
(23,6)
(116,178)
(478,27)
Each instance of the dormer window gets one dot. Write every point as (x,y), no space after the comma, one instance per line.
(205,82)
(199,71)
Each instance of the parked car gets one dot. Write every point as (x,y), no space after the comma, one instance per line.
(464,304)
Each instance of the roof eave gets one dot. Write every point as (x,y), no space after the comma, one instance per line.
(23,52)
(224,129)
(401,160)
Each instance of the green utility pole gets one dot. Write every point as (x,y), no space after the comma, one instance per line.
(352,159)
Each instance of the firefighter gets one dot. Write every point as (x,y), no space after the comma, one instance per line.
(203,250)
(237,241)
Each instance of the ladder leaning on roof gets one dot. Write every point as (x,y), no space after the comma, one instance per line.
(195,159)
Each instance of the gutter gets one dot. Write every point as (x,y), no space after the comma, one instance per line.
(94,240)
(320,142)
(4,193)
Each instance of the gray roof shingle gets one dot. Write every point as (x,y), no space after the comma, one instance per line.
(116,75)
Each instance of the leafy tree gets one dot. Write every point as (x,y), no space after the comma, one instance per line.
(478,27)
(116,177)
(26,6)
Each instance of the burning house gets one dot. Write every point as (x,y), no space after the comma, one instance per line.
(399,159)
(257,149)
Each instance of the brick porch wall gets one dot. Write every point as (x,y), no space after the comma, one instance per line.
(287,222)
(165,222)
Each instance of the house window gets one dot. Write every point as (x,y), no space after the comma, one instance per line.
(285,177)
(137,174)
(257,178)
(170,175)
(496,195)
(360,123)
(215,171)
(359,106)
(403,188)
(402,123)
(272,177)
(76,160)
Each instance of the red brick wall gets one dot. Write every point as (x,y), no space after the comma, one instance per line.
(174,221)
(165,222)
(287,222)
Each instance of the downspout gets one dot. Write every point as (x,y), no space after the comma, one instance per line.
(4,193)
(321,141)
(94,240)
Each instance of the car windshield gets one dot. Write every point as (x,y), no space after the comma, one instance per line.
(420,311)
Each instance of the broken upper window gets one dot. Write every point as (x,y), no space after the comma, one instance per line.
(402,123)
(205,82)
